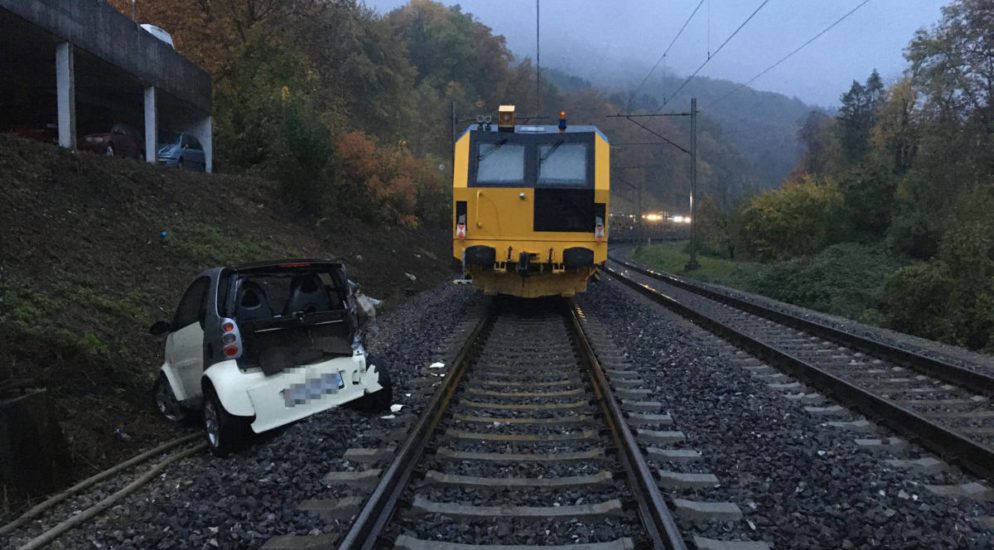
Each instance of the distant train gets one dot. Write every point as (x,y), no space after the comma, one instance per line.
(530,206)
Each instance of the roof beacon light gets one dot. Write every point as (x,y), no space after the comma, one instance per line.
(562,121)
(505,118)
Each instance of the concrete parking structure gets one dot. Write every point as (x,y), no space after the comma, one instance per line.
(82,65)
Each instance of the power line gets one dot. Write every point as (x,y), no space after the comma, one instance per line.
(791,54)
(662,57)
(713,55)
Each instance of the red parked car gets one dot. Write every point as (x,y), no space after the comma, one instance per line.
(121,141)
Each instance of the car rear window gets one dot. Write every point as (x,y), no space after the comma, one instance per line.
(278,295)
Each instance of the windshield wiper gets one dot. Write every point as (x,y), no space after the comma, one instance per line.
(482,156)
(552,150)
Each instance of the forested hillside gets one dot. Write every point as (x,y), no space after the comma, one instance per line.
(905,172)
(762,126)
(345,106)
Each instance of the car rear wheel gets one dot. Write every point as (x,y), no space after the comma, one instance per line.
(110,151)
(166,403)
(224,432)
(379,401)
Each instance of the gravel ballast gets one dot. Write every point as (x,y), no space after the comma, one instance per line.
(242,501)
(799,482)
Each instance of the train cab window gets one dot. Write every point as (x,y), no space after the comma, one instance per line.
(500,164)
(562,164)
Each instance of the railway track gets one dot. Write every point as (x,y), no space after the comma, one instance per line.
(48,520)
(523,444)
(944,406)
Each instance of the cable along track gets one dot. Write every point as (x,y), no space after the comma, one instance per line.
(523,444)
(944,406)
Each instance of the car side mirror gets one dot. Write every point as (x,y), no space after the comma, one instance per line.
(160,327)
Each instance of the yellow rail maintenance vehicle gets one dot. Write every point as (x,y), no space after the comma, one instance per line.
(530,206)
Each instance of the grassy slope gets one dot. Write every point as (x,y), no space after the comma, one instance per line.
(83,271)
(845,280)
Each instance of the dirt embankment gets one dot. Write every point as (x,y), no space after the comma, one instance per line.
(92,250)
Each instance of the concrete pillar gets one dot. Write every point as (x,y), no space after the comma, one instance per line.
(203,130)
(151,125)
(65,83)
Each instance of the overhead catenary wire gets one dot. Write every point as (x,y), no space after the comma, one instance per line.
(792,53)
(713,55)
(663,57)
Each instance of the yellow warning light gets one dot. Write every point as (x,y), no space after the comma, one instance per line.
(505,118)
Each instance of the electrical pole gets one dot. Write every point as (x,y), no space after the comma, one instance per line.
(538,64)
(452,124)
(692,264)
(641,221)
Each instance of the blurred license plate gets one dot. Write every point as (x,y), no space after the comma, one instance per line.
(312,388)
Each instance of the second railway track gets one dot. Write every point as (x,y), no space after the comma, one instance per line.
(942,405)
(524,444)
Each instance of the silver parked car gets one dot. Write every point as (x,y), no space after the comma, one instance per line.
(181,150)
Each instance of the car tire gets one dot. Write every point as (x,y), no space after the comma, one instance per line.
(224,432)
(166,404)
(379,401)
(109,152)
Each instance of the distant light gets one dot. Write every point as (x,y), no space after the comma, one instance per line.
(653,217)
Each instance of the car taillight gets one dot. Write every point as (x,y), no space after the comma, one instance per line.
(461,231)
(599,229)
(231,338)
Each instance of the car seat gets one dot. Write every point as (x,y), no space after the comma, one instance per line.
(308,294)
(253,304)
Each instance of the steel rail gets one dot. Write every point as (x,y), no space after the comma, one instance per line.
(973,456)
(376,512)
(656,517)
(937,368)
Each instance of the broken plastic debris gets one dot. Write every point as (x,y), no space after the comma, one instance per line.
(388,416)
(407,395)
(396,407)
(410,276)
(462,281)
(437,365)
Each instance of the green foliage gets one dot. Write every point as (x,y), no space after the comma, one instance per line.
(844,279)
(672,257)
(916,300)
(797,219)
(205,244)
(867,202)
(858,115)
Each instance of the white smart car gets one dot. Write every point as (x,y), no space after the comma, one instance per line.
(259,346)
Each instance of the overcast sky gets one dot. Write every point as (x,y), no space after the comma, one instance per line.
(619,38)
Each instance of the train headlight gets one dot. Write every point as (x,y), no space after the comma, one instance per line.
(461,231)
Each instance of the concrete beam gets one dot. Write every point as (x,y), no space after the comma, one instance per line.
(65,83)
(151,126)
(98,28)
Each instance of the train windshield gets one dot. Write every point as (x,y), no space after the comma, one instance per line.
(562,164)
(501,163)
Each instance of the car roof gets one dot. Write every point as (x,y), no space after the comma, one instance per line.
(288,264)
